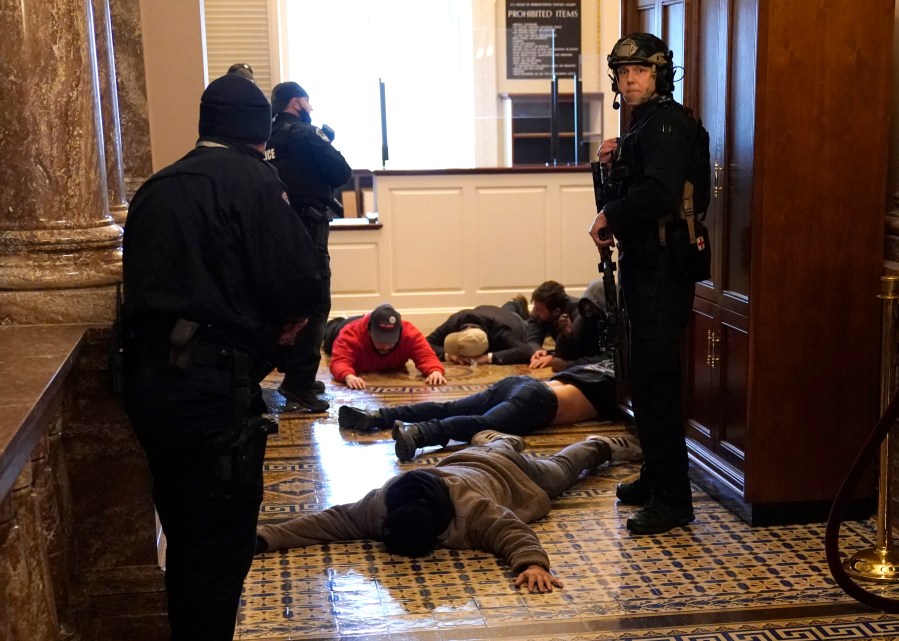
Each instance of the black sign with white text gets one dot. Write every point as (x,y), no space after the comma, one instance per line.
(530,27)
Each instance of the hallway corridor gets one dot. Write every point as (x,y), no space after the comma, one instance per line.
(716,579)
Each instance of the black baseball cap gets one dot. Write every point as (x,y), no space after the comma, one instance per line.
(385,325)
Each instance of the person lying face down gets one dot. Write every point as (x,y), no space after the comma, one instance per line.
(481,498)
(516,404)
(380,341)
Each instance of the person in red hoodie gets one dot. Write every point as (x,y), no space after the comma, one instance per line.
(380,341)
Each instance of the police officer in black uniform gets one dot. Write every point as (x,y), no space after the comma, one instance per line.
(218,270)
(312,169)
(648,168)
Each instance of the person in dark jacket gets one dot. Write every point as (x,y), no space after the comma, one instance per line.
(517,405)
(553,312)
(649,166)
(583,343)
(218,271)
(481,498)
(484,334)
(312,169)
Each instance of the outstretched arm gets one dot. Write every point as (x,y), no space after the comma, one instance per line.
(497,529)
(347,522)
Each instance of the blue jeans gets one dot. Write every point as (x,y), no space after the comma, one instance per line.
(515,405)
(557,473)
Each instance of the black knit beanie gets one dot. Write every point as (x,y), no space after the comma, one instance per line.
(419,509)
(283,93)
(235,108)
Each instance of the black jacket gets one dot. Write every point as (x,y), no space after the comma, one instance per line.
(505,333)
(306,161)
(537,331)
(652,160)
(212,239)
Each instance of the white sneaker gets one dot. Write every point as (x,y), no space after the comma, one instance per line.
(488,436)
(624,448)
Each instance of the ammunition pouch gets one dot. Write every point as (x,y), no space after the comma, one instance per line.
(687,240)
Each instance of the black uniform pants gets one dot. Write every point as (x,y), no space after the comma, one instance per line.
(210,535)
(300,361)
(658,306)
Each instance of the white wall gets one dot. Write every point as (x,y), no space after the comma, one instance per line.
(452,241)
(175,67)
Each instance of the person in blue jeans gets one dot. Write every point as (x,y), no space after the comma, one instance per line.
(515,405)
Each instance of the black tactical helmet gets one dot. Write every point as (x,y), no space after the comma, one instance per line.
(644,49)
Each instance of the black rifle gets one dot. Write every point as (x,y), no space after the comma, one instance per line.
(611,338)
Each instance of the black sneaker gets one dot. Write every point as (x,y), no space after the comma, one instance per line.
(318,387)
(352,418)
(633,493)
(407,437)
(305,400)
(656,517)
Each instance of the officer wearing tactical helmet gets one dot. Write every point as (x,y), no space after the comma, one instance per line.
(647,170)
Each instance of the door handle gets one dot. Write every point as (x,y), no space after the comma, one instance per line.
(718,188)
(711,356)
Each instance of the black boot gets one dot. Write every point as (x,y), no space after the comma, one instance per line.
(633,493)
(411,436)
(355,419)
(301,398)
(657,516)
(408,439)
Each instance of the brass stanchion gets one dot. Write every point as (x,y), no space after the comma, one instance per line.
(881,563)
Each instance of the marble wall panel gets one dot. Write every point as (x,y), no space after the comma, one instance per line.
(52,522)
(29,594)
(101,445)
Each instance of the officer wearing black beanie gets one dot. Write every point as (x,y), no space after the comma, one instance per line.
(233,107)
(219,271)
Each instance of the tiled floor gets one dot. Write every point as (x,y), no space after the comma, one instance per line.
(717,579)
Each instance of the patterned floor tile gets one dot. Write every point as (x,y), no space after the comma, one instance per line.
(717,579)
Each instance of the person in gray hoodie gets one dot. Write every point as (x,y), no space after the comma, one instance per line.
(583,342)
(481,498)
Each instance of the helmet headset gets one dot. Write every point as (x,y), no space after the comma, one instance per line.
(646,50)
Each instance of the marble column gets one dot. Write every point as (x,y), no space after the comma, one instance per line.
(60,250)
(109,109)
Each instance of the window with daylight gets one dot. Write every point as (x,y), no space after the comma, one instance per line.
(421,49)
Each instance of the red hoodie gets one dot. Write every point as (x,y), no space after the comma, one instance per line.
(354,352)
